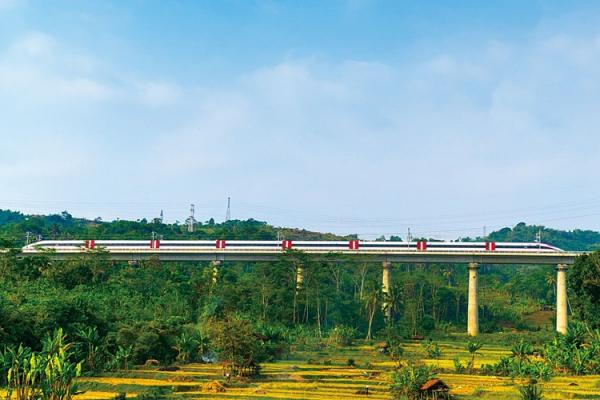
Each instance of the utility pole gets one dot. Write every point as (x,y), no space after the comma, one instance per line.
(484,233)
(408,236)
(538,237)
(191,218)
(228,213)
(162,216)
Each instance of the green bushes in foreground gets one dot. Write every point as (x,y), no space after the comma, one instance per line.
(407,382)
(577,352)
(46,375)
(531,391)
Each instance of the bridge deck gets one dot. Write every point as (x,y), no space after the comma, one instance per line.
(449,257)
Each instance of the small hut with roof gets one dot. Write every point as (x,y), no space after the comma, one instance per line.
(435,389)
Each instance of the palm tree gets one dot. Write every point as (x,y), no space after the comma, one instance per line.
(522,350)
(473,348)
(393,301)
(371,301)
(90,343)
(448,273)
(551,282)
(124,354)
(186,345)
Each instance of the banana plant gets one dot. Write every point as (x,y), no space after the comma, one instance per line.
(23,374)
(123,355)
(48,375)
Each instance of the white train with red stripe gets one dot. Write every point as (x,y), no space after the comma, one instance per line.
(273,245)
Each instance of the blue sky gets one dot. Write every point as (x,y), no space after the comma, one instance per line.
(357,116)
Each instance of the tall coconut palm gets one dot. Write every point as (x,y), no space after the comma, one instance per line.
(370,303)
(551,282)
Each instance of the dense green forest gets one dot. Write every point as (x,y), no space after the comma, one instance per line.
(14,228)
(151,307)
(575,240)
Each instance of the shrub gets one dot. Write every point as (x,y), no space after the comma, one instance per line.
(541,370)
(459,367)
(341,335)
(531,391)
(237,341)
(350,362)
(432,349)
(427,324)
(407,381)
(522,350)
(154,394)
(577,352)
(276,341)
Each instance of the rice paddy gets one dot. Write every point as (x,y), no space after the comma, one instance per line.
(325,374)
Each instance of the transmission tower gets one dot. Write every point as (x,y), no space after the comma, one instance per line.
(162,216)
(191,218)
(228,213)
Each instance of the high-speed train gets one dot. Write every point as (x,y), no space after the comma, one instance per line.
(119,246)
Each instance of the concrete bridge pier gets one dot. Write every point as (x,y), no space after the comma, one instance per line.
(385,288)
(561,298)
(473,303)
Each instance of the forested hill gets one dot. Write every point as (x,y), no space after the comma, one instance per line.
(576,240)
(14,227)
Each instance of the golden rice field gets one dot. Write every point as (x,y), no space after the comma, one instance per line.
(324,374)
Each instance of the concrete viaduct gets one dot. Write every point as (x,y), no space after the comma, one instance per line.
(560,260)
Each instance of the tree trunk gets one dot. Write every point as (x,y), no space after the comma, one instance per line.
(318,312)
(457,296)
(371,315)
(363,274)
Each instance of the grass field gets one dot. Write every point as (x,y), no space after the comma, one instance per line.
(324,374)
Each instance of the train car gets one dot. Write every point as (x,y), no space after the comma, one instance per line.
(75,246)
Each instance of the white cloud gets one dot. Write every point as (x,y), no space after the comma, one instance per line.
(9,4)
(159,93)
(36,69)
(34,44)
